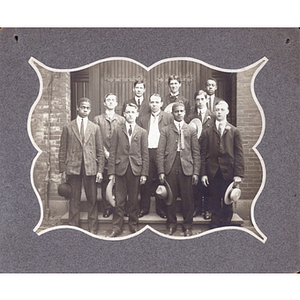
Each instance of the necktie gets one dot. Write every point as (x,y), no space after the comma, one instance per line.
(82,131)
(130,130)
(220,128)
(139,102)
(200,116)
(209,103)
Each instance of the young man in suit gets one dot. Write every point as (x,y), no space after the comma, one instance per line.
(206,117)
(178,161)
(211,86)
(174,83)
(81,159)
(153,122)
(128,166)
(108,122)
(139,88)
(222,161)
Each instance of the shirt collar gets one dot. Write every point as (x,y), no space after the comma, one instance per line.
(177,124)
(155,114)
(203,110)
(176,94)
(141,98)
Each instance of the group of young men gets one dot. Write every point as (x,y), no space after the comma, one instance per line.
(147,147)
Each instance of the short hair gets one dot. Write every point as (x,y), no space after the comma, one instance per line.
(176,105)
(200,93)
(155,95)
(173,77)
(222,101)
(131,105)
(110,94)
(211,78)
(138,81)
(83,100)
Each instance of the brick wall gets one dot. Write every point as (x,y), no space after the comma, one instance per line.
(50,114)
(249,121)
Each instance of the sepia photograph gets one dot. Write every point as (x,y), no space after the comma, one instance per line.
(113,183)
(149,150)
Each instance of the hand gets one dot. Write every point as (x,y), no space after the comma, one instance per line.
(237,180)
(195,179)
(112,177)
(161,178)
(204,180)
(143,179)
(99,177)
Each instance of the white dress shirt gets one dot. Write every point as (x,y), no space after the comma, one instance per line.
(127,128)
(85,121)
(154,134)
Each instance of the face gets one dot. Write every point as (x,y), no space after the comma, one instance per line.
(130,114)
(110,102)
(201,101)
(84,109)
(139,89)
(179,113)
(155,104)
(221,111)
(211,87)
(174,86)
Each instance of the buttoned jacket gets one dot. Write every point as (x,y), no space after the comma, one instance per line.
(167,150)
(208,119)
(224,152)
(72,150)
(107,127)
(123,153)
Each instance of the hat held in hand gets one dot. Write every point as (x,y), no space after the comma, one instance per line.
(109,193)
(64,190)
(164,191)
(232,194)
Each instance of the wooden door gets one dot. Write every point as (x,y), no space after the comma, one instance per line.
(118,76)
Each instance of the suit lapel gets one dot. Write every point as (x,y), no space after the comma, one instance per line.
(227,128)
(76,130)
(88,131)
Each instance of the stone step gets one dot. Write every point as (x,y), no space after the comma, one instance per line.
(154,221)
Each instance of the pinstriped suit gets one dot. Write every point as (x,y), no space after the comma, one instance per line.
(81,162)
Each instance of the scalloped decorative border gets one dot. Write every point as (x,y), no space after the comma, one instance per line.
(32,61)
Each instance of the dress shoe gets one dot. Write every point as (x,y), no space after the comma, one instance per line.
(133,230)
(188,232)
(207,215)
(106,213)
(162,215)
(114,234)
(143,213)
(171,231)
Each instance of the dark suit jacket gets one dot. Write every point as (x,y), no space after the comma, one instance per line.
(167,149)
(122,153)
(224,152)
(143,110)
(216,100)
(167,100)
(164,120)
(107,127)
(72,150)
(208,121)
